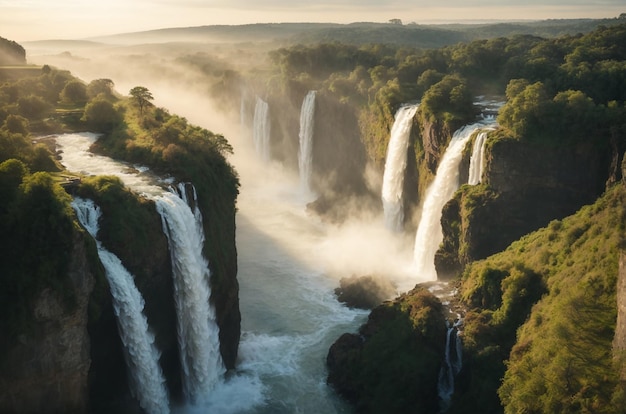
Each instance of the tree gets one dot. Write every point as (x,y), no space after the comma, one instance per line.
(101,115)
(74,92)
(142,97)
(100,86)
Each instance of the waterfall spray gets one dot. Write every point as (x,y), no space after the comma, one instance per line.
(142,356)
(305,154)
(395,166)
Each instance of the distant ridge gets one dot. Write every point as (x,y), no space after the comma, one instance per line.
(417,35)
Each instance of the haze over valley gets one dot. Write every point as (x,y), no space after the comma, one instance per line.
(279,207)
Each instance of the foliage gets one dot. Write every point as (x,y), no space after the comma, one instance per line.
(142,97)
(11,53)
(170,145)
(400,349)
(74,92)
(448,100)
(102,87)
(36,230)
(558,285)
(101,115)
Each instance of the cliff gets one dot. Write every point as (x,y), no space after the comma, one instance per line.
(47,369)
(525,187)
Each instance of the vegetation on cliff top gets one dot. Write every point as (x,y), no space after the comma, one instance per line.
(559,285)
(400,348)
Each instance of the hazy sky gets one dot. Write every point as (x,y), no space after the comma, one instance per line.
(23,20)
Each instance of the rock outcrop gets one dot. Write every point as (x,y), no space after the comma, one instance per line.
(400,348)
(47,370)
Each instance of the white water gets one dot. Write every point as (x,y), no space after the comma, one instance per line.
(198,333)
(305,154)
(261,129)
(142,356)
(477,159)
(395,166)
(198,339)
(429,233)
(452,365)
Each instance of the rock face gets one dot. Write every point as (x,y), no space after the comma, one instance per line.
(47,370)
(400,348)
(526,186)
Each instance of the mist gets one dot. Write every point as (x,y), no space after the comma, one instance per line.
(270,198)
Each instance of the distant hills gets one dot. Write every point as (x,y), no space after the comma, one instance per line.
(416,35)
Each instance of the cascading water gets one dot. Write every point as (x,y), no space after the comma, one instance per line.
(305,154)
(429,233)
(452,365)
(142,356)
(261,129)
(198,332)
(395,166)
(477,159)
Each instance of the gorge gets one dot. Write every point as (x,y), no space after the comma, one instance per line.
(520,216)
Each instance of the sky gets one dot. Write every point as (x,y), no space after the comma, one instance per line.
(25,20)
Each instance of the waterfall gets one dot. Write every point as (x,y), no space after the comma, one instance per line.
(198,334)
(182,223)
(142,356)
(305,154)
(395,166)
(429,234)
(261,129)
(451,365)
(477,159)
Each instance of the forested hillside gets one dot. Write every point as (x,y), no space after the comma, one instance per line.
(60,333)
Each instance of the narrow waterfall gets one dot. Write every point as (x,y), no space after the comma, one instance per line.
(261,129)
(142,356)
(477,159)
(429,234)
(305,154)
(198,333)
(395,166)
(451,366)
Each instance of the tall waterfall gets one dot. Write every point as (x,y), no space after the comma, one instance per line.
(197,330)
(261,129)
(395,166)
(429,234)
(142,356)
(305,154)
(477,160)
